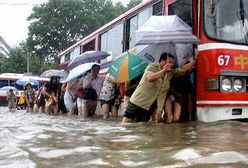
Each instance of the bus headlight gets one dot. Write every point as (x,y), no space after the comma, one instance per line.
(237,84)
(226,84)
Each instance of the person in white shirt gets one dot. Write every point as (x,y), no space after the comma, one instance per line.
(94,82)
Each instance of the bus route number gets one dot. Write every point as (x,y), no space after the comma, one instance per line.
(223,60)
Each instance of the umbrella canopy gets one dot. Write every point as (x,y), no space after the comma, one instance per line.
(126,67)
(89,56)
(54,72)
(165,29)
(7,88)
(152,53)
(79,70)
(24,81)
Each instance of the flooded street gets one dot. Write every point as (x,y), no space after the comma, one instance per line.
(40,140)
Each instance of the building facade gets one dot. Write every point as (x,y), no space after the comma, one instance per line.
(4,48)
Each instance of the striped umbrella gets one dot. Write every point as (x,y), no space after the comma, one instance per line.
(126,67)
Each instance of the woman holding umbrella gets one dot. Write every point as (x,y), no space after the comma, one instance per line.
(51,92)
(92,84)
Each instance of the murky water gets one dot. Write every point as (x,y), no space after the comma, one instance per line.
(30,140)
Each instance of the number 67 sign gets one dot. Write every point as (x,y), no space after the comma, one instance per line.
(224,60)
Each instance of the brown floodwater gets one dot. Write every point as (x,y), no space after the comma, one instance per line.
(30,140)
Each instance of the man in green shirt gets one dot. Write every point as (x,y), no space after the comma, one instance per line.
(150,94)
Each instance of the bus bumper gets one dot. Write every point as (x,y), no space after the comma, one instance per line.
(211,114)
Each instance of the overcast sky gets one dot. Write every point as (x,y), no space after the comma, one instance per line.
(13,15)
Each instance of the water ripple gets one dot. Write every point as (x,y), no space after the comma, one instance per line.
(38,140)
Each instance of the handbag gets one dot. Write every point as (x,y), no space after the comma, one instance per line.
(79,93)
(90,94)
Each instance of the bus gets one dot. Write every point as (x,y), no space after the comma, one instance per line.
(9,79)
(221,73)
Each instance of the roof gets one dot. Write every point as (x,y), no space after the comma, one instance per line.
(63,65)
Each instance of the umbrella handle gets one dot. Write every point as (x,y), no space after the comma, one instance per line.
(128,53)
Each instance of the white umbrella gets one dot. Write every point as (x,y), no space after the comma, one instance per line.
(165,29)
(54,72)
(152,53)
(79,70)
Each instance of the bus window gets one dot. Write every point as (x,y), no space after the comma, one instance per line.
(89,46)
(183,9)
(157,8)
(134,23)
(3,83)
(67,56)
(12,82)
(224,17)
(133,28)
(111,40)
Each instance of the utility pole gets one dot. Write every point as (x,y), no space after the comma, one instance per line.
(27,62)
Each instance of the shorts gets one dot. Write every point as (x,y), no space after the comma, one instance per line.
(176,96)
(110,102)
(41,102)
(69,101)
(90,105)
(11,105)
(79,102)
(139,114)
(31,105)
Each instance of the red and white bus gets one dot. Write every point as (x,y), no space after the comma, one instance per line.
(222,61)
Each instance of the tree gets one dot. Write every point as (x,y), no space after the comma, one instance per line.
(17,61)
(133,3)
(55,26)
(58,24)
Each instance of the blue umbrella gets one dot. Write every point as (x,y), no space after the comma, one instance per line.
(24,81)
(89,56)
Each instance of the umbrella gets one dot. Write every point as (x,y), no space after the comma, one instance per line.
(7,88)
(126,67)
(165,29)
(54,72)
(152,53)
(89,56)
(24,81)
(79,70)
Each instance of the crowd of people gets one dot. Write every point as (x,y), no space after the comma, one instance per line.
(159,94)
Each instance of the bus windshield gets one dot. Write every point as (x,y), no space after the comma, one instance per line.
(227,20)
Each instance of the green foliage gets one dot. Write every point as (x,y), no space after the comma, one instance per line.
(55,26)
(17,61)
(133,3)
(58,24)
